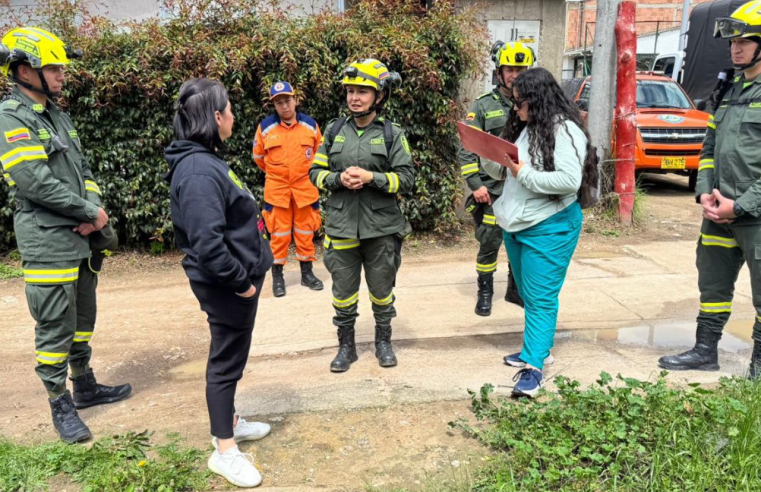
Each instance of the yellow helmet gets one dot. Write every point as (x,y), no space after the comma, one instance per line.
(37,47)
(744,22)
(512,55)
(370,73)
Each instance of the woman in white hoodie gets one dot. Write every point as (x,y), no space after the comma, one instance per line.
(539,209)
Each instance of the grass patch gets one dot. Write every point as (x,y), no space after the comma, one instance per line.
(126,463)
(621,435)
(8,272)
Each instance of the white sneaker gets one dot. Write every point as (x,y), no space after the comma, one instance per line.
(247,431)
(237,468)
(250,431)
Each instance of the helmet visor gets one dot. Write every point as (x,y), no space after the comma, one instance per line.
(728,28)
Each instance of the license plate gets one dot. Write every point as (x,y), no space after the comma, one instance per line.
(673,163)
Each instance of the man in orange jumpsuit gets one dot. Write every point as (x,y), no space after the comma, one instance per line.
(285,145)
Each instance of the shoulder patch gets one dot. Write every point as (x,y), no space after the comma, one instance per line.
(18,134)
(339,138)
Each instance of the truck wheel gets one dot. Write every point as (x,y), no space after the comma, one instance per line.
(692,180)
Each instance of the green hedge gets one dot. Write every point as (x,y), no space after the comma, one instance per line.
(121,95)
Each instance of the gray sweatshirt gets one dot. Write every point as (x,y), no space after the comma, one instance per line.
(525,200)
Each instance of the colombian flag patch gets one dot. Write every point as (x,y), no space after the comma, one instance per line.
(17,134)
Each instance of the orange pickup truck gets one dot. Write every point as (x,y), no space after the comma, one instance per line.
(670,130)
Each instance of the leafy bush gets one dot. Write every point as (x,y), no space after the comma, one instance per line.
(121,95)
(627,435)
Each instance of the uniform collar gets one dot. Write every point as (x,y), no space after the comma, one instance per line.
(29,102)
(504,100)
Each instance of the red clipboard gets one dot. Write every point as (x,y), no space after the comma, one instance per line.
(486,145)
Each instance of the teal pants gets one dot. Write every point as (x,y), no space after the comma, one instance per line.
(540,256)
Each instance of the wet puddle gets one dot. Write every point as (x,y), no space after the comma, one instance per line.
(678,334)
(189,369)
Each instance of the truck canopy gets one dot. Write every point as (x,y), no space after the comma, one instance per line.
(706,56)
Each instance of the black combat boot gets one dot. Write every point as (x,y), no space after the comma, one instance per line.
(383,349)
(347,351)
(704,356)
(512,294)
(307,277)
(66,420)
(754,373)
(278,282)
(485,293)
(88,393)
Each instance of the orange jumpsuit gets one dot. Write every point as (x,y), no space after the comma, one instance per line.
(291,202)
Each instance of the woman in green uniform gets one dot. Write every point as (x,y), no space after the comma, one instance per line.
(364,162)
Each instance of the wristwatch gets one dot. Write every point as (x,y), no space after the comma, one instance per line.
(739,212)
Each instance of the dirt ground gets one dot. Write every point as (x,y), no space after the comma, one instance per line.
(144,339)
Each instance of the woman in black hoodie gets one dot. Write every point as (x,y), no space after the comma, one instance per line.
(219,228)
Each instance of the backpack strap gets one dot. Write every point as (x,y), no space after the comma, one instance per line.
(334,131)
(388,136)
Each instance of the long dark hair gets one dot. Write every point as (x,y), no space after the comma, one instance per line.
(548,106)
(194,117)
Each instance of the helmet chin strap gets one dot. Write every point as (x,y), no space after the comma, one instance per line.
(375,107)
(756,59)
(45,91)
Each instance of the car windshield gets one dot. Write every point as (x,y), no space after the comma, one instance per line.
(661,94)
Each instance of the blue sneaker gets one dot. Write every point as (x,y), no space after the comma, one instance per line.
(514,360)
(528,382)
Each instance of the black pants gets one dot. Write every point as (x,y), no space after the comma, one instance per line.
(231,321)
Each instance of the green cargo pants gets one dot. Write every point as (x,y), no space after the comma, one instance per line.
(489,237)
(344,259)
(722,250)
(61,298)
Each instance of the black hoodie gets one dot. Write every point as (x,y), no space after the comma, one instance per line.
(217,223)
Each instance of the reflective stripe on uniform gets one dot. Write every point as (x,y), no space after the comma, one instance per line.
(705,164)
(321,160)
(303,258)
(341,243)
(469,168)
(321,179)
(711,124)
(51,358)
(92,186)
(393,182)
(382,302)
(344,303)
(9,180)
(758,318)
(82,336)
(724,242)
(282,234)
(492,267)
(279,261)
(716,307)
(301,231)
(489,219)
(61,276)
(21,154)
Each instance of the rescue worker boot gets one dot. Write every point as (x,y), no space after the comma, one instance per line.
(307,277)
(512,294)
(278,282)
(383,349)
(347,350)
(704,356)
(66,420)
(754,373)
(88,393)
(485,294)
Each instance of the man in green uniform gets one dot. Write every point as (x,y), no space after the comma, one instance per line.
(729,190)
(57,221)
(489,113)
(364,161)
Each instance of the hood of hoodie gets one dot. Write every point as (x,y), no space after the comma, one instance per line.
(179,150)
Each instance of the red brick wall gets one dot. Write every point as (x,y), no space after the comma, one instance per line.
(669,12)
